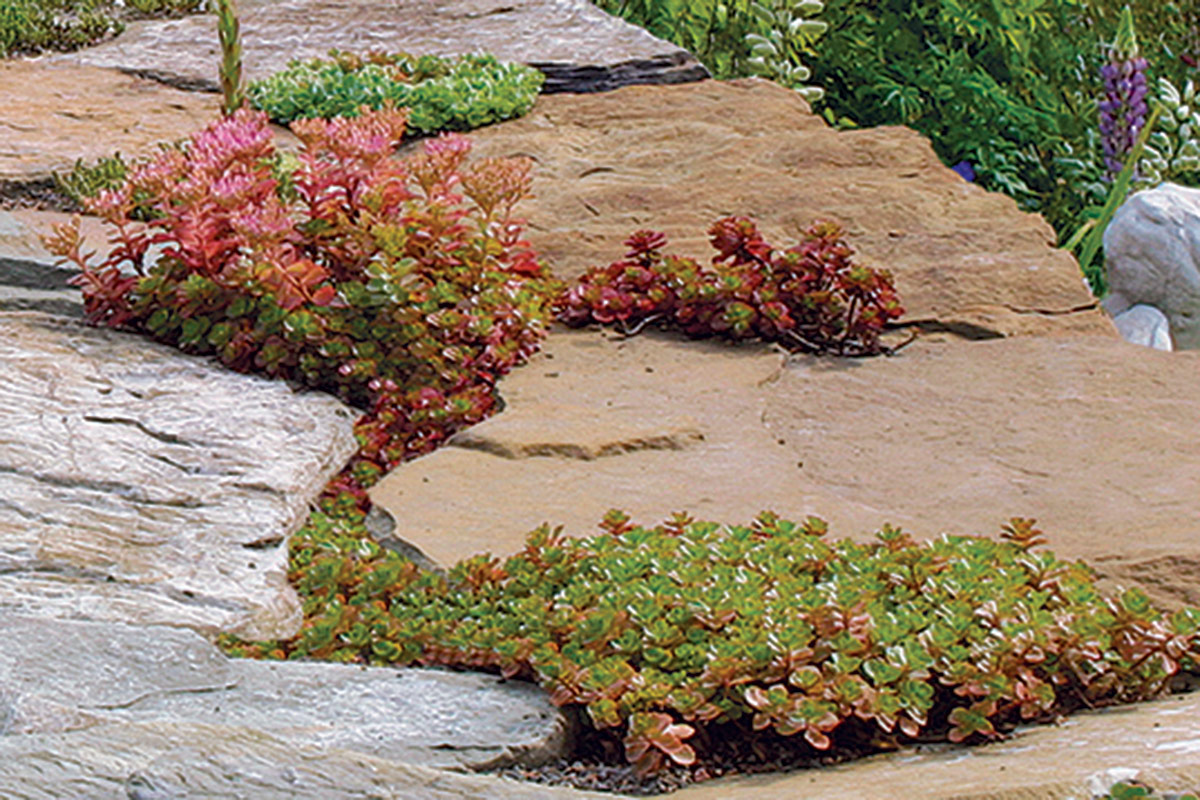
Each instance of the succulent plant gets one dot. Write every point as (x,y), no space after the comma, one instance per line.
(441,94)
(810,297)
(357,273)
(768,629)
(787,29)
(1173,152)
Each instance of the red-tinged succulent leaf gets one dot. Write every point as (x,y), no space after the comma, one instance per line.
(652,735)
(454,294)
(968,722)
(809,297)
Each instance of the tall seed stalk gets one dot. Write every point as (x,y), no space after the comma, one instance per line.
(229,30)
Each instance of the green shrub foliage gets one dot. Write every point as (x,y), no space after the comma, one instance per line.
(441,94)
(1173,152)
(810,297)
(736,37)
(661,632)
(403,286)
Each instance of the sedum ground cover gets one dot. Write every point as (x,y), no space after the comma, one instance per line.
(405,286)
(34,26)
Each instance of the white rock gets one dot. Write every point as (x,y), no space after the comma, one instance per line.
(1144,325)
(1152,252)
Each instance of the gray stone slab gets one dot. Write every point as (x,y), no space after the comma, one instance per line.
(114,673)
(579,47)
(138,484)
(192,761)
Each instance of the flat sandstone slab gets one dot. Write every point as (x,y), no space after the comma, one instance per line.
(138,484)
(1157,744)
(677,158)
(114,673)
(57,113)
(578,46)
(1092,436)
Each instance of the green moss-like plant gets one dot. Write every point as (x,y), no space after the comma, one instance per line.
(34,26)
(88,180)
(661,633)
(1134,791)
(441,94)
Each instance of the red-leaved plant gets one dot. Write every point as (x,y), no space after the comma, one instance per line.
(810,297)
(402,285)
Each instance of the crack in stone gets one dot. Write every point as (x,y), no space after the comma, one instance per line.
(166,438)
(161,693)
(1053,312)
(123,490)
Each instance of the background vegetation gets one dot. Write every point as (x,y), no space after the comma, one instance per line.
(1006,91)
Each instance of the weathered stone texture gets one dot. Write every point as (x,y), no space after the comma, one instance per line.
(111,673)
(579,47)
(138,484)
(949,435)
(55,114)
(1152,254)
(676,158)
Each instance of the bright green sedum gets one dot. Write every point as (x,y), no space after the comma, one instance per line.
(441,94)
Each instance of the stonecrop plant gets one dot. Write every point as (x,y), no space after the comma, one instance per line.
(441,94)
(810,297)
(675,634)
(36,26)
(403,286)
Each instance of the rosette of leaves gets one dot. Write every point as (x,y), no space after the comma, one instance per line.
(403,286)
(766,630)
(810,297)
(1173,151)
(441,94)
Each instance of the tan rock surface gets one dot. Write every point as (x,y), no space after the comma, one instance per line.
(1092,436)
(1155,743)
(676,158)
(57,113)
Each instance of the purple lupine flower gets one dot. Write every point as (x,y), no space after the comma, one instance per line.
(1123,109)
(965,169)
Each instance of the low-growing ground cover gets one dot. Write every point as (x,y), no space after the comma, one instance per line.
(441,94)
(34,26)
(438,94)
(405,287)
(677,640)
